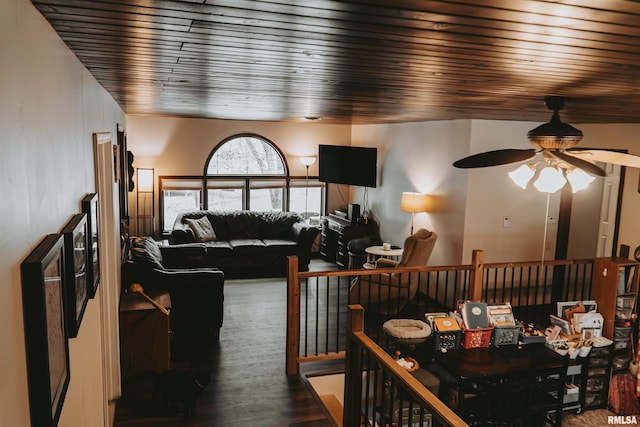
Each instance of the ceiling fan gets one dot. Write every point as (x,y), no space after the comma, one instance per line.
(556,141)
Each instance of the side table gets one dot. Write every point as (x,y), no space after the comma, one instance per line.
(375,252)
(144,333)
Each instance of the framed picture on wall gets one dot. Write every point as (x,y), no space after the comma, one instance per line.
(76,244)
(43,278)
(90,208)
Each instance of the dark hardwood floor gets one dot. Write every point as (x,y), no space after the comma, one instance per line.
(249,386)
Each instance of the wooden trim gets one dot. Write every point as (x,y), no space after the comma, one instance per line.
(475,284)
(319,357)
(353,367)
(293,316)
(353,378)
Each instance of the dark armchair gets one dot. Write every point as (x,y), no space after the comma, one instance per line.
(388,293)
(196,291)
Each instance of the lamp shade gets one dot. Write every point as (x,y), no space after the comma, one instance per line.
(579,179)
(522,175)
(415,202)
(145,180)
(307,161)
(550,180)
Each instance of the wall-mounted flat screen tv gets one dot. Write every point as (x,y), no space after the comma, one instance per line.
(342,164)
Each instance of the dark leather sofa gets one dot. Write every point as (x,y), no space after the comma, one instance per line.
(250,244)
(196,290)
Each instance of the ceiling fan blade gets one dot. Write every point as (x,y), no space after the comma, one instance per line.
(586,166)
(606,156)
(495,158)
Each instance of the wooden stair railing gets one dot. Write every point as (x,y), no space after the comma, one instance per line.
(422,400)
(532,287)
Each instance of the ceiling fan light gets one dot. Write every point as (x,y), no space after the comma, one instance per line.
(550,180)
(522,175)
(579,179)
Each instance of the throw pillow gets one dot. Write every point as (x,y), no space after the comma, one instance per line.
(202,229)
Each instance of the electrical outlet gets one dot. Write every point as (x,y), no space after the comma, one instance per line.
(506,221)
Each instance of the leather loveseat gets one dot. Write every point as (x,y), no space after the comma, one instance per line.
(196,290)
(247,243)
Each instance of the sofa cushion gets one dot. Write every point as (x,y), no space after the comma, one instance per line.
(202,229)
(247,246)
(242,225)
(289,245)
(277,225)
(145,251)
(219,248)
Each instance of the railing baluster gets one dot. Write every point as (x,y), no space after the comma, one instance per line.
(526,285)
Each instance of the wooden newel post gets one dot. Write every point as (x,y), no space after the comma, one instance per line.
(475,284)
(353,368)
(293,315)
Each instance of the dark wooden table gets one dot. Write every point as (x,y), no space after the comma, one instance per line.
(144,333)
(474,367)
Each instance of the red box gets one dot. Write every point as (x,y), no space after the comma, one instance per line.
(477,338)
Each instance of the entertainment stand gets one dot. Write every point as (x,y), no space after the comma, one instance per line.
(336,232)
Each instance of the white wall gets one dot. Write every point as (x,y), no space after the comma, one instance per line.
(181,146)
(418,157)
(621,136)
(174,146)
(492,196)
(49,108)
(413,157)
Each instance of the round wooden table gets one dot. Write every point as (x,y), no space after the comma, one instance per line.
(374,252)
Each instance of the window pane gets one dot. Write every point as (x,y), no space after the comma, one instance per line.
(267,199)
(306,206)
(246,155)
(176,201)
(228,199)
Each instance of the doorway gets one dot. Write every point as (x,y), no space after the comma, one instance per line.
(589,219)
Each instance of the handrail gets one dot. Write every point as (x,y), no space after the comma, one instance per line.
(357,342)
(294,280)
(533,288)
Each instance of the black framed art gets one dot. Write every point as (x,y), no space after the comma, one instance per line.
(90,208)
(43,274)
(76,243)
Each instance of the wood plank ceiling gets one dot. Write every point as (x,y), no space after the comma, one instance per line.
(367,61)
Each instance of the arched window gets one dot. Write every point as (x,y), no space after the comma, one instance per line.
(245,155)
(247,172)
(242,172)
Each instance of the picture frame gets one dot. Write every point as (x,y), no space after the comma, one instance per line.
(563,324)
(564,307)
(76,244)
(90,208)
(47,347)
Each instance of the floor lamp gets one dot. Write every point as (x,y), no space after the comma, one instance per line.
(145,192)
(414,203)
(307,161)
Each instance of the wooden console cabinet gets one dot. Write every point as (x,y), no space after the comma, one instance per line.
(336,234)
(615,289)
(144,334)
(612,278)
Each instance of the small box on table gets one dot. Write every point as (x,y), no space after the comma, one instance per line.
(505,335)
(445,331)
(505,330)
(477,337)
